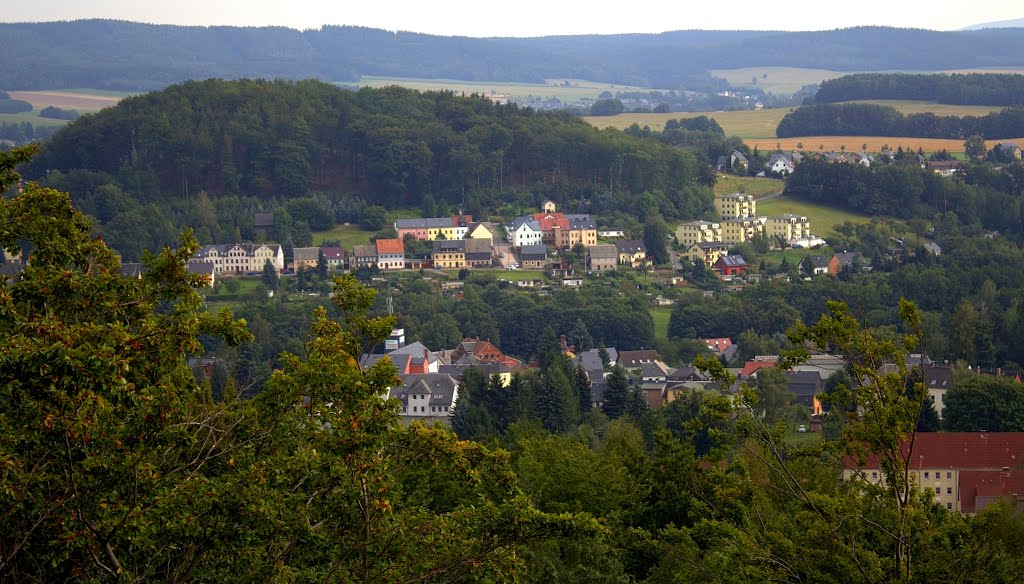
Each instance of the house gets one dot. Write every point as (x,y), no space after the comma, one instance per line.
(805,385)
(524,231)
(787,227)
(632,252)
(842,260)
(781,163)
(945,167)
(738,158)
(482,230)
(750,368)
(717,345)
(933,248)
(204,269)
(1009,150)
(133,270)
(965,470)
(937,380)
(706,252)
(814,265)
(264,222)
(635,359)
(806,242)
(335,257)
(473,351)
(422,359)
(534,257)
(478,253)
(731,265)
(697,232)
(449,254)
(735,205)
(431,228)
(564,231)
(305,257)
(390,254)
(365,256)
(601,258)
(427,397)
(610,233)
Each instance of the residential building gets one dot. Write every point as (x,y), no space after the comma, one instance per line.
(805,386)
(564,231)
(241,258)
(842,260)
(611,233)
(731,265)
(365,256)
(472,351)
(707,252)
(305,257)
(741,229)
(781,163)
(427,397)
(478,253)
(431,228)
(698,231)
(534,257)
(937,380)
(635,359)
(422,359)
(601,258)
(787,227)
(735,205)
(335,257)
(524,231)
(483,230)
(390,254)
(264,222)
(631,252)
(814,265)
(449,254)
(964,470)
(1009,149)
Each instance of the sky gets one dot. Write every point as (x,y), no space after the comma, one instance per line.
(522,18)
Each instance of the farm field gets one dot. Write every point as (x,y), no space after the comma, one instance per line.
(853,143)
(743,123)
(33,118)
(83,100)
(779,80)
(730,183)
(576,88)
(823,218)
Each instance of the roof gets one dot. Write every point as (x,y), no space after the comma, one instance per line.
(961,450)
(819,262)
(732,261)
(581,222)
(751,367)
(978,488)
(306,254)
(548,221)
(441,387)
(631,359)
(631,246)
(478,247)
(132,270)
(605,250)
(365,251)
(719,345)
(201,268)
(710,245)
(529,222)
(450,245)
(534,250)
(846,258)
(333,253)
(937,376)
(392,246)
(264,220)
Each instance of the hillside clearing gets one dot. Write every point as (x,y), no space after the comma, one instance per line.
(730,183)
(823,218)
(779,80)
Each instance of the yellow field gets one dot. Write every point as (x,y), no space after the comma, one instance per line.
(746,123)
(908,107)
(70,99)
(563,89)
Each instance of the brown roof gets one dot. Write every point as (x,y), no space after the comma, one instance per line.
(978,488)
(333,253)
(390,246)
(630,359)
(963,450)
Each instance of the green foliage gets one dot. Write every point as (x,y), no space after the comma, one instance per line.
(977,403)
(616,393)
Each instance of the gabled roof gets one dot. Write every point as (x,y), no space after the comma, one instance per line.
(632,359)
(365,251)
(751,367)
(962,450)
(846,258)
(819,261)
(731,261)
(333,253)
(201,268)
(306,254)
(478,247)
(603,251)
(548,221)
(536,251)
(581,222)
(710,245)
(631,246)
(441,387)
(134,270)
(450,245)
(264,220)
(391,246)
(529,222)
(979,488)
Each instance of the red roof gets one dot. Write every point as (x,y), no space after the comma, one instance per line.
(717,344)
(978,488)
(390,246)
(548,221)
(963,450)
(750,367)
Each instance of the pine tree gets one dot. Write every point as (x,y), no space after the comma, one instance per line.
(556,401)
(580,336)
(548,348)
(269,277)
(583,390)
(616,393)
(321,266)
(636,404)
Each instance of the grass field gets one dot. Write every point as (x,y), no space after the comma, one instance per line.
(745,123)
(823,218)
(33,118)
(349,235)
(563,89)
(730,183)
(779,80)
(661,317)
(515,275)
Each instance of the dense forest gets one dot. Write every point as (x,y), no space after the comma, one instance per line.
(867,119)
(963,89)
(120,55)
(258,144)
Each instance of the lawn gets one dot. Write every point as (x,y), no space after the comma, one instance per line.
(516,275)
(661,317)
(730,183)
(563,89)
(350,236)
(823,218)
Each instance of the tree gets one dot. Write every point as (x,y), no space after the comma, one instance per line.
(321,265)
(604,356)
(974,146)
(773,395)
(582,380)
(269,277)
(655,238)
(607,107)
(580,336)
(616,393)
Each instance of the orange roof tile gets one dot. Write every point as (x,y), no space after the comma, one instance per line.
(390,246)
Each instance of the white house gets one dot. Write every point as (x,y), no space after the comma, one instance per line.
(428,397)
(524,231)
(241,258)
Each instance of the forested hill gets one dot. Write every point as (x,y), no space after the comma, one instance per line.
(121,55)
(391,146)
(970,89)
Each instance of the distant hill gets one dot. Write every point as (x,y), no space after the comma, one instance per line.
(1015,23)
(119,55)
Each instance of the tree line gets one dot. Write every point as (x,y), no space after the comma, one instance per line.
(866,119)
(1004,89)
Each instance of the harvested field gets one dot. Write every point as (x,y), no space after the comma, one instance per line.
(854,143)
(65,100)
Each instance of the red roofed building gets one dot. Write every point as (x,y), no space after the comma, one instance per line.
(717,345)
(980,488)
(956,466)
(390,254)
(751,367)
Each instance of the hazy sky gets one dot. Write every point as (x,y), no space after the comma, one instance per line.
(524,17)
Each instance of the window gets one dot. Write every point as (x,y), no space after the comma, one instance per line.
(949,490)
(926,475)
(874,476)
(949,506)
(938,490)
(949,475)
